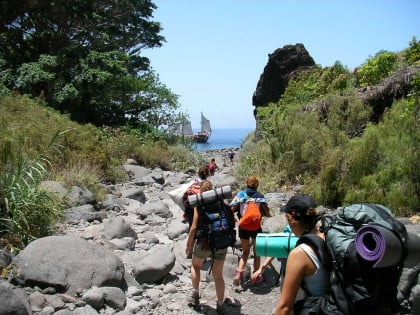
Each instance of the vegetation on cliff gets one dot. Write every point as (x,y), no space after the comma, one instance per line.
(321,133)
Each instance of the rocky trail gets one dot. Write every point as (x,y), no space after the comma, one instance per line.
(126,254)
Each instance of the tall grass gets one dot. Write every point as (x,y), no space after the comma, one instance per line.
(27,211)
(82,155)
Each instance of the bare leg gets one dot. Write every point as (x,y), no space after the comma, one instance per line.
(246,249)
(195,271)
(218,279)
(257,259)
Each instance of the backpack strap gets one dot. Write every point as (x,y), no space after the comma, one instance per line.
(320,245)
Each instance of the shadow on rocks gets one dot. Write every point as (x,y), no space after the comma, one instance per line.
(232,308)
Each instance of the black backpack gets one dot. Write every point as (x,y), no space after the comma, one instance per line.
(356,286)
(217,225)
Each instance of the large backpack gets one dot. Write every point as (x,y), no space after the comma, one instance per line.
(217,225)
(357,287)
(251,220)
(194,189)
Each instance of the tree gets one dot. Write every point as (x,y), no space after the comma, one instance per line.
(84,57)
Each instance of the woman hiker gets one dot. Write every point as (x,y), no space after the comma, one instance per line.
(200,251)
(242,203)
(303,264)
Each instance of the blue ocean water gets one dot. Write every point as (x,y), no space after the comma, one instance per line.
(224,138)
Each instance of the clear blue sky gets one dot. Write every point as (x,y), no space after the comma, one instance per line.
(216,50)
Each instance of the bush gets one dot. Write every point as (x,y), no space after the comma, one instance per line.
(412,53)
(376,68)
(26,211)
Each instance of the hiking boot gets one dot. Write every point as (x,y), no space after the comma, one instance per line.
(238,277)
(194,298)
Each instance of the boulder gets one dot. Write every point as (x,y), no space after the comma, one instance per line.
(158,208)
(79,196)
(68,264)
(83,213)
(135,172)
(155,266)
(117,227)
(13,300)
(134,193)
(176,228)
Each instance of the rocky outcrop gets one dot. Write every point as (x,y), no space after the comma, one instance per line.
(394,87)
(281,63)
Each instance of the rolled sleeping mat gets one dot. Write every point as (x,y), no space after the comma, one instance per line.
(210,196)
(382,246)
(379,245)
(275,244)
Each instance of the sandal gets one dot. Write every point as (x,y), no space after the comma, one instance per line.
(238,277)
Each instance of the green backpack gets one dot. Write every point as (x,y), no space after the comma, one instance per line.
(357,287)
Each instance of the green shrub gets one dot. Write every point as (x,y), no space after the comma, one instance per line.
(412,53)
(27,211)
(376,68)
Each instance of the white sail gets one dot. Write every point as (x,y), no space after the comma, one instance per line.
(186,128)
(205,124)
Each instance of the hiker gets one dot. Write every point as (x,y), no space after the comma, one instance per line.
(212,167)
(203,173)
(200,251)
(243,202)
(231,156)
(303,264)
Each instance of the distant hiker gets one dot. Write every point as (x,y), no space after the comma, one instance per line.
(198,245)
(203,173)
(251,206)
(212,167)
(304,265)
(231,156)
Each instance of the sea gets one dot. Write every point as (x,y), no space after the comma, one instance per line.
(223,138)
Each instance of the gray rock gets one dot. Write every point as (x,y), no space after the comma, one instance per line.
(86,310)
(63,312)
(37,301)
(176,228)
(135,194)
(83,213)
(155,266)
(13,300)
(150,238)
(5,258)
(126,243)
(79,196)
(158,208)
(47,310)
(69,264)
(94,297)
(136,172)
(274,224)
(111,202)
(114,297)
(275,201)
(117,227)
(415,299)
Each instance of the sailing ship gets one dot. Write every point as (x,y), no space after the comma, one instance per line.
(203,135)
